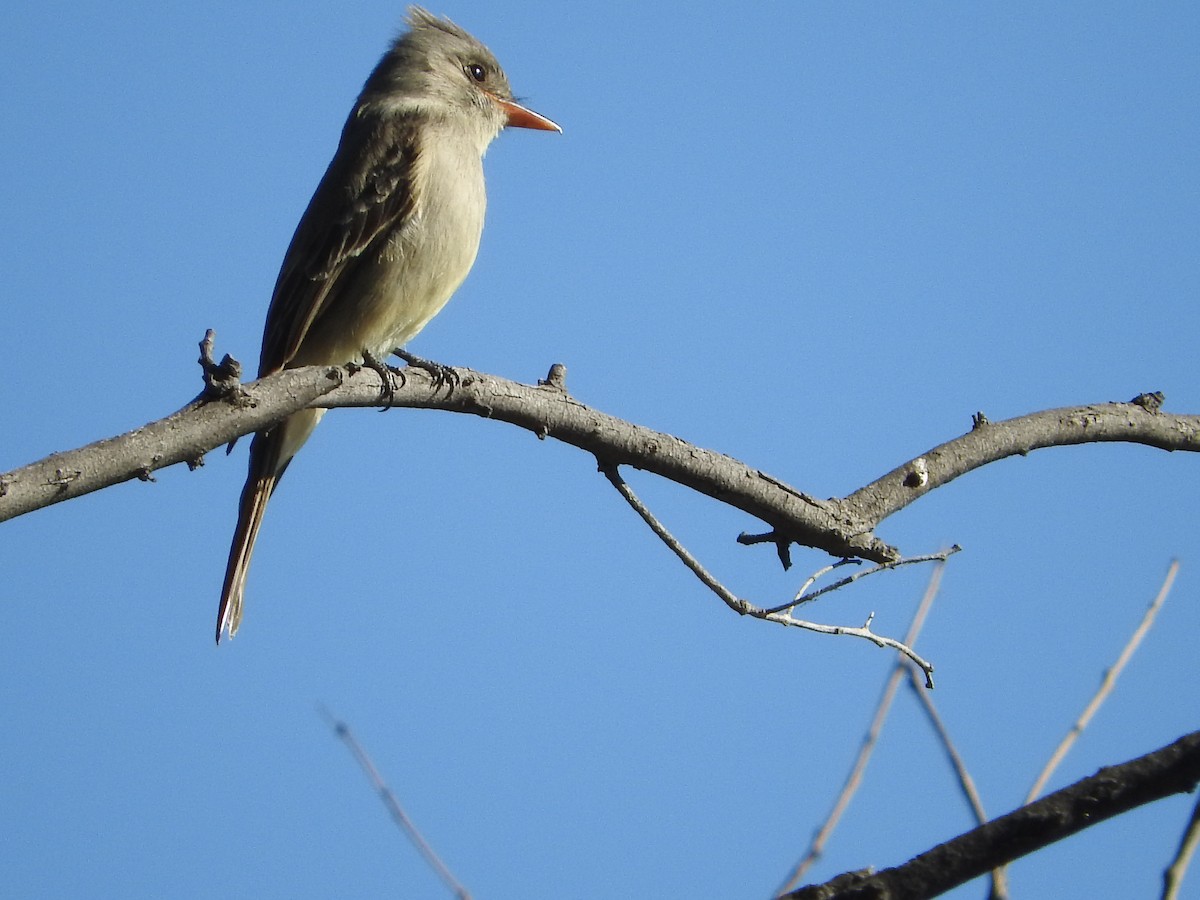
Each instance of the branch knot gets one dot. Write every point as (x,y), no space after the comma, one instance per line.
(222,380)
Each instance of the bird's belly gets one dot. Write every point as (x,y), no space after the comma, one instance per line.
(411,286)
(391,292)
(393,295)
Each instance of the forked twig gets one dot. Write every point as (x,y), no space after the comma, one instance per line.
(801,597)
(393,805)
(745,607)
(822,572)
(863,632)
(854,779)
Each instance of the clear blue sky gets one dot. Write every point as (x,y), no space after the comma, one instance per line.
(816,236)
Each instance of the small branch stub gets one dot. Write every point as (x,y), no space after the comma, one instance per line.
(556,378)
(783,545)
(1151,402)
(223,380)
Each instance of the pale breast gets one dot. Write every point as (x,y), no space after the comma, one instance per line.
(393,296)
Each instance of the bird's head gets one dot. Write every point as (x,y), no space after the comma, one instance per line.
(438,70)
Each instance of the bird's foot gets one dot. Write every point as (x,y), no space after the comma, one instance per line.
(441,375)
(387,374)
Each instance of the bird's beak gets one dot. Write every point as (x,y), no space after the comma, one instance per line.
(520,117)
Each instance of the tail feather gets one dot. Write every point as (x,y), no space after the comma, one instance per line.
(270,453)
(260,483)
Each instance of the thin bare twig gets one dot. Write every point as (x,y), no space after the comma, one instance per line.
(858,769)
(1173,877)
(863,632)
(822,572)
(737,604)
(958,764)
(393,805)
(740,605)
(1107,683)
(965,781)
(802,598)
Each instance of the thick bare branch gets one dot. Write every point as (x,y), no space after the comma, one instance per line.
(549,411)
(843,528)
(1136,422)
(546,410)
(184,436)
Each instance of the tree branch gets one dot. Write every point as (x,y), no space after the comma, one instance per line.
(184,436)
(781,616)
(1173,769)
(843,528)
(1136,422)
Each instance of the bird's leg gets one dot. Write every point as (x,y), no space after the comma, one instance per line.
(387,374)
(442,375)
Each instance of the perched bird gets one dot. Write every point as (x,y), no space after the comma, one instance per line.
(389,235)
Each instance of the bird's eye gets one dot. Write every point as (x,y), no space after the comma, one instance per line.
(476,71)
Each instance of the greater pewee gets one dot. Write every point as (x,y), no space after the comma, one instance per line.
(389,235)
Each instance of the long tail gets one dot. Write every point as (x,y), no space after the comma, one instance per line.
(270,453)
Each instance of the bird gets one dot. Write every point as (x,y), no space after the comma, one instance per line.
(390,233)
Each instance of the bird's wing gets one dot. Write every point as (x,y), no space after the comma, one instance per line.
(365,192)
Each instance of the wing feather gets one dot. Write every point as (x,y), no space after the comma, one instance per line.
(365,193)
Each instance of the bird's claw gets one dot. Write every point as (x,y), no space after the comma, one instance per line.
(442,376)
(387,375)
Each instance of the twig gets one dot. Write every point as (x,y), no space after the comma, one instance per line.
(1173,877)
(858,769)
(740,605)
(1107,683)
(966,782)
(1114,790)
(864,632)
(222,380)
(821,573)
(393,805)
(737,604)
(802,598)
(958,764)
